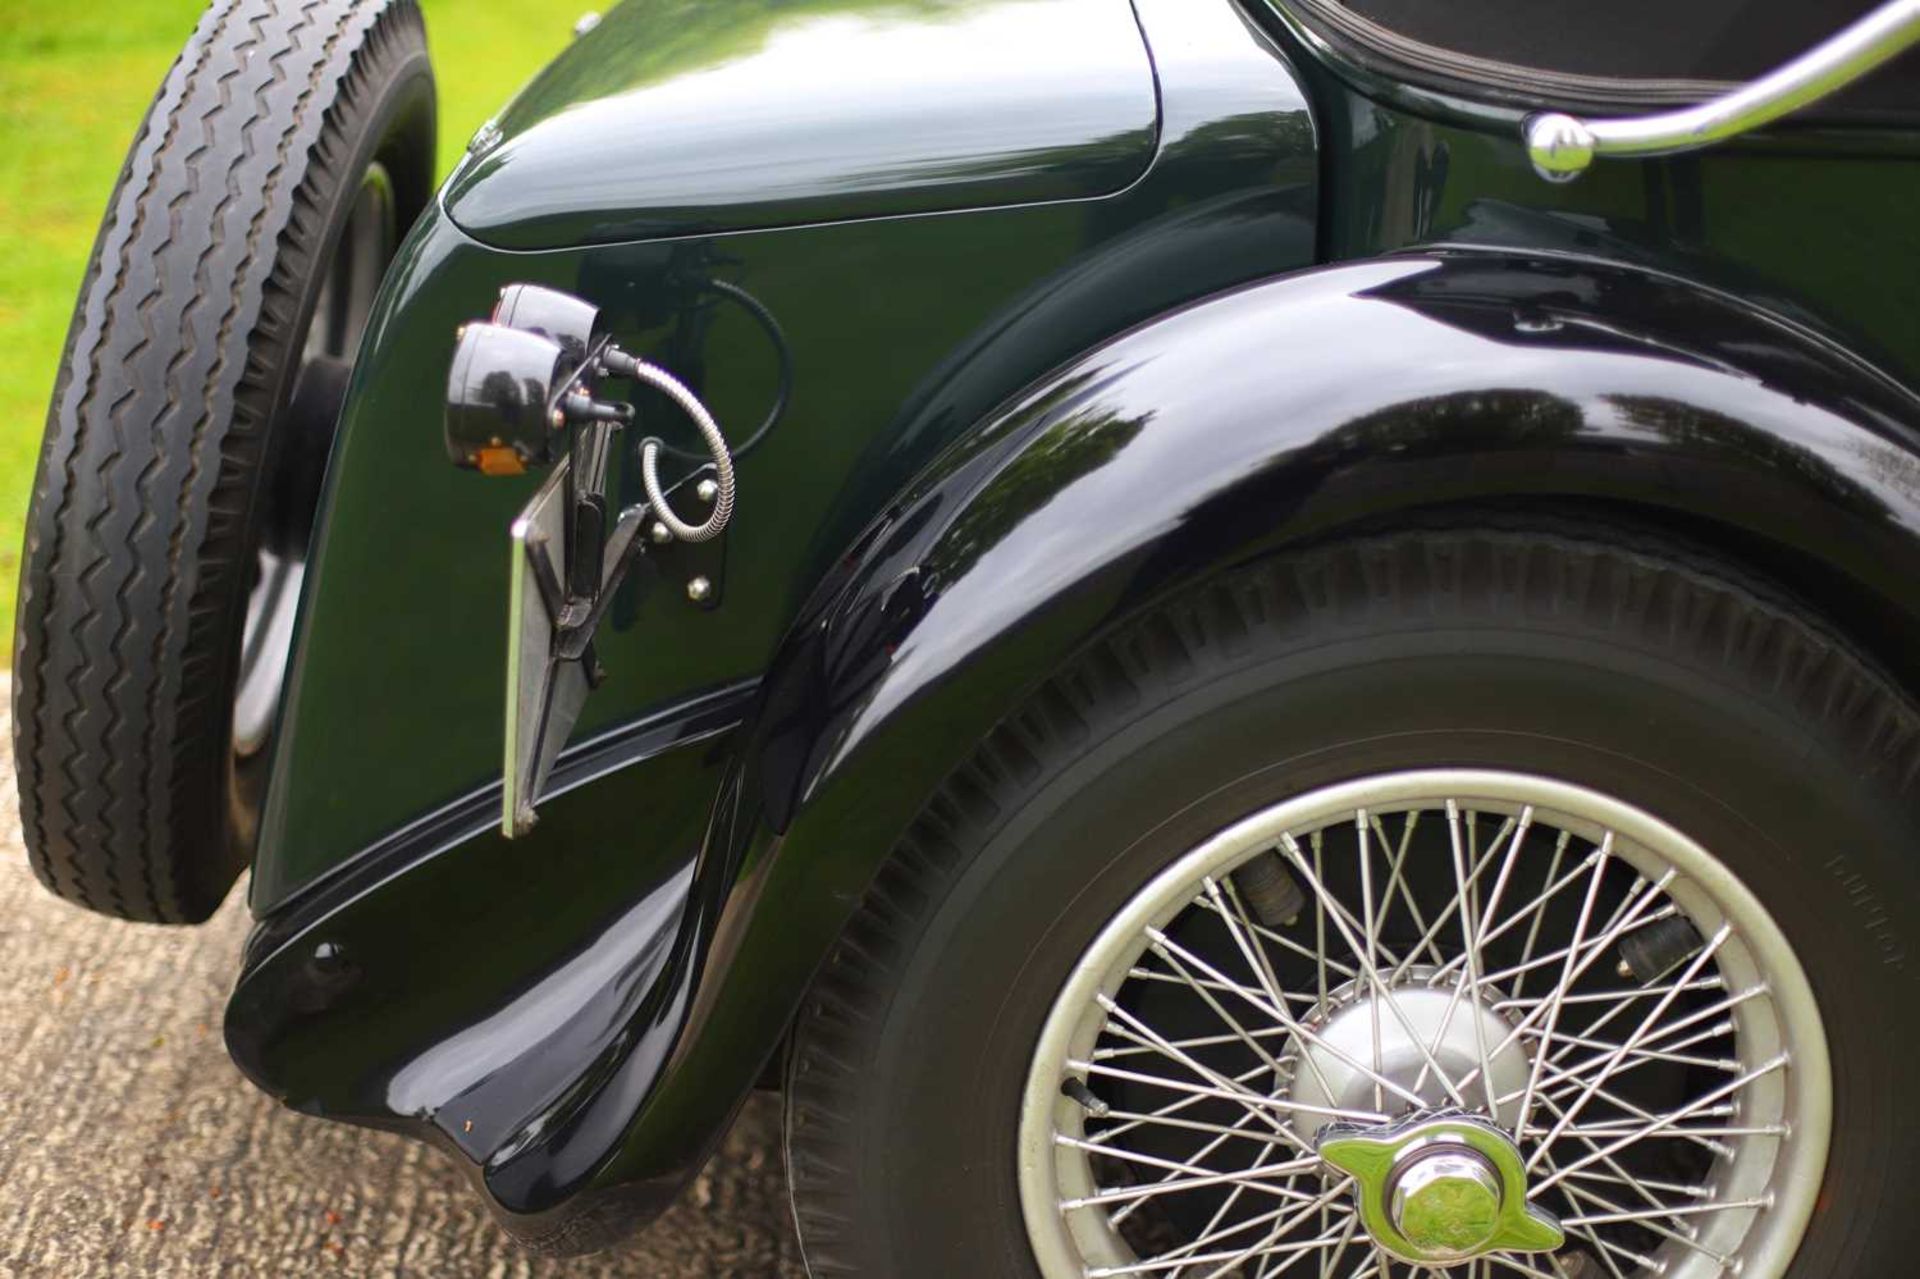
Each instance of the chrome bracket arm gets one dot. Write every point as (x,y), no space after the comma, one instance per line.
(1561,146)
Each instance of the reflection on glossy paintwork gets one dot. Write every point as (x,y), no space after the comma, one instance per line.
(1266,416)
(904,334)
(544,1031)
(1083,441)
(408,1021)
(897,619)
(814,112)
(1543,374)
(1833,252)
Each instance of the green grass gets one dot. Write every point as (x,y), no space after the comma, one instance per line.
(74,83)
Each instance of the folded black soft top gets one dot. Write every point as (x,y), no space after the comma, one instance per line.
(1605,53)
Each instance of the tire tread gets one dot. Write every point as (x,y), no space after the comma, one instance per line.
(134,578)
(1646,592)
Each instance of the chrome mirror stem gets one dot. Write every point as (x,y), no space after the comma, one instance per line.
(1562,146)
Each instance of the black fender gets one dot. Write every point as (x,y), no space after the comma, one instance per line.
(1285,411)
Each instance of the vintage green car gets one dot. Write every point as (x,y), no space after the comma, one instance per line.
(1230,637)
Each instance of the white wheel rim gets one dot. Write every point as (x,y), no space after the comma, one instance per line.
(1767,1119)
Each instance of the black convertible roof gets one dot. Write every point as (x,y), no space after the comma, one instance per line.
(1606,52)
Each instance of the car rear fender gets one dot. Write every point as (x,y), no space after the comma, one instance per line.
(1287,411)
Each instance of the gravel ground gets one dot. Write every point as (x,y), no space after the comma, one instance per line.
(129,1144)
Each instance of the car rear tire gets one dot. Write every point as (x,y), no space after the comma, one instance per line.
(1651,680)
(288,148)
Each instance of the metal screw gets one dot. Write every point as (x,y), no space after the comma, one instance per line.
(660,533)
(699,590)
(706,490)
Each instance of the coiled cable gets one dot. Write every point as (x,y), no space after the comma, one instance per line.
(716,521)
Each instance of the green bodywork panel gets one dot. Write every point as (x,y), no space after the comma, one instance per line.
(904,332)
(690,117)
(907,329)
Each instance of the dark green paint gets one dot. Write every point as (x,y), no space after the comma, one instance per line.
(1816,224)
(904,332)
(706,871)
(690,118)
(1547,387)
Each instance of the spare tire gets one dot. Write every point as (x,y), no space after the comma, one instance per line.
(259,208)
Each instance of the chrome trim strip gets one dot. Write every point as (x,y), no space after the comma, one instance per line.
(1561,147)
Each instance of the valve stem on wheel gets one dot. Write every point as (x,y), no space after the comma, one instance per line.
(1273,894)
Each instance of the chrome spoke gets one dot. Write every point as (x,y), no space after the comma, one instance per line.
(1665,1122)
(1210,1235)
(1508,1261)
(1613,1060)
(1382,994)
(1135,1118)
(1186,1102)
(1321,949)
(1506,975)
(1203,901)
(1614,1167)
(1234,1257)
(1439,925)
(1240,1035)
(1213,1232)
(1594,949)
(1668,1053)
(1404,971)
(1614,996)
(1539,915)
(1167,947)
(1237,924)
(1397,879)
(1546,1137)
(1199,1174)
(1690,1210)
(1554,1003)
(1134,1028)
(1471,943)
(1237,1030)
(1177,1184)
(1238,1129)
(1344,920)
(1327,1259)
(1219,987)
(1669,1131)
(1646,1183)
(1252,1101)
(1652,1220)
(1534,908)
(1372,938)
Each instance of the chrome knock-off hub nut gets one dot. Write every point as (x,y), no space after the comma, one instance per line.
(1446,1202)
(1438,1190)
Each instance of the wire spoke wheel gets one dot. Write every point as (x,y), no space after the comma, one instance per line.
(349,285)
(1467,1021)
